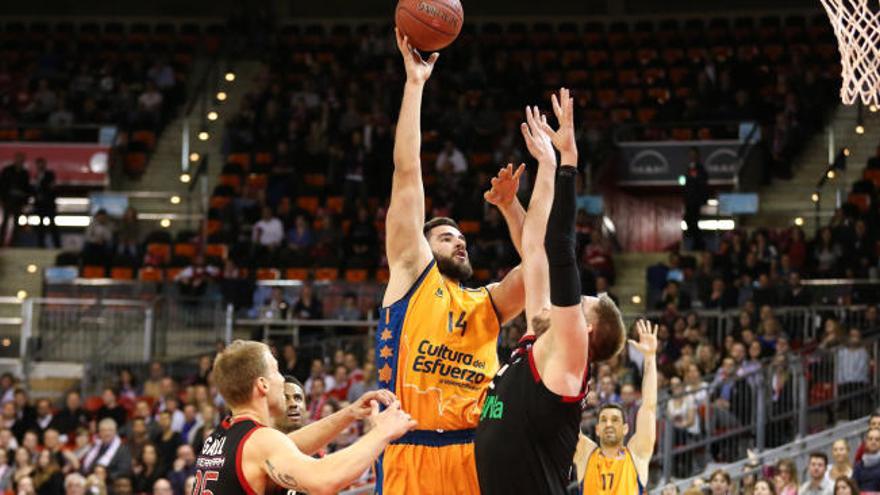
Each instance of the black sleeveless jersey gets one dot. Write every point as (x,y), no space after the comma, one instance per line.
(218,467)
(527,434)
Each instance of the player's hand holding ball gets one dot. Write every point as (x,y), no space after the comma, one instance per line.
(418,70)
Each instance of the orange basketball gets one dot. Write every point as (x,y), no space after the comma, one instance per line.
(430,24)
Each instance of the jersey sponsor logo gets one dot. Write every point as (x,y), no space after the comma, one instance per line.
(439,292)
(456,367)
(213,447)
(493,408)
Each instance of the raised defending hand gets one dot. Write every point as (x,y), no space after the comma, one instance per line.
(538,141)
(393,422)
(362,408)
(418,70)
(563,138)
(647,343)
(504,186)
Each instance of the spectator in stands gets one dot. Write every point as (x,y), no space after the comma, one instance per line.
(146,469)
(764,487)
(842,466)
(361,241)
(183,468)
(193,280)
(786,477)
(317,374)
(721,296)
(122,485)
(48,478)
(451,159)
(111,408)
(108,451)
(873,163)
(317,398)
(827,254)
(163,487)
(328,240)
(861,252)
(817,484)
(45,418)
(795,293)
(873,424)
(74,484)
(307,307)
(150,105)
(300,240)
(44,203)
(128,237)
(696,193)
(597,256)
(15,189)
(5,471)
(341,384)
(853,375)
(683,411)
(72,416)
(98,239)
(871,323)
(167,441)
(845,486)
(719,483)
(276,307)
(268,233)
(349,310)
(367,384)
(866,472)
(162,74)
(673,297)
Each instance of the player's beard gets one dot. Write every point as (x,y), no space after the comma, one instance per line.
(455,270)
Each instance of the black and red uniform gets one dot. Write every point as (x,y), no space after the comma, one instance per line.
(218,466)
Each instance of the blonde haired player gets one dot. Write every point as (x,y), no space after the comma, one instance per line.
(611,468)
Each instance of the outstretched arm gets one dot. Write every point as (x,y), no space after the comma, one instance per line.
(535,270)
(508,295)
(407,249)
(642,442)
(315,436)
(585,447)
(566,348)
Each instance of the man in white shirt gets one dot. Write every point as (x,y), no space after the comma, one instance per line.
(817,484)
(852,374)
(269,231)
(451,158)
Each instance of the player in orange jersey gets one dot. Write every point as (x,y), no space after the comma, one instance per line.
(437,340)
(612,468)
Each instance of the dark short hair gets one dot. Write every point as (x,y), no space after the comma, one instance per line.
(292,379)
(611,405)
(437,222)
(819,455)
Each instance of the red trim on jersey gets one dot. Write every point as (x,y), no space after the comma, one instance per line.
(564,398)
(238,455)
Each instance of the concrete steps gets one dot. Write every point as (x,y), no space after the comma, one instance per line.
(631,269)
(783,201)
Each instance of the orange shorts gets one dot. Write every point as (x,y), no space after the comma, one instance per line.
(428,470)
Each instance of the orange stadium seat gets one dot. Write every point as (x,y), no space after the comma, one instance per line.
(264,158)
(230,180)
(8,134)
(326,274)
(213,226)
(150,274)
(258,181)
(296,274)
(308,203)
(185,250)
(242,159)
(172,273)
(862,201)
(268,274)
(122,273)
(873,176)
(356,276)
(217,251)
(160,250)
(335,204)
(147,138)
(469,227)
(93,271)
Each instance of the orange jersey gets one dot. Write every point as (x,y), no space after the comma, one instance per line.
(436,349)
(606,476)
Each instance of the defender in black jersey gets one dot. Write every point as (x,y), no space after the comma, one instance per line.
(530,421)
(246,455)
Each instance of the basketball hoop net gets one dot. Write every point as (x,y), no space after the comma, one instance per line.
(857,27)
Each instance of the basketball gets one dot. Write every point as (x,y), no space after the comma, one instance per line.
(431,25)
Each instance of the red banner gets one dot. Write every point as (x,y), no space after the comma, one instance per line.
(73,164)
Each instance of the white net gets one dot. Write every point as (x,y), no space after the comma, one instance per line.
(856,24)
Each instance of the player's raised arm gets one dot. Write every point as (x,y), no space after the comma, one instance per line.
(406,247)
(508,295)
(535,270)
(289,468)
(567,339)
(642,442)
